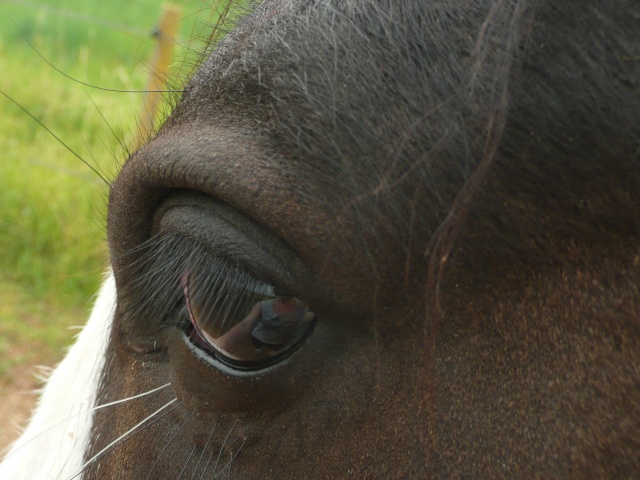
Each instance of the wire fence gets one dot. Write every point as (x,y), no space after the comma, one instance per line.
(81,17)
(192,16)
(165,36)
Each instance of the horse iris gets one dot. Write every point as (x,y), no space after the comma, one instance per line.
(243,322)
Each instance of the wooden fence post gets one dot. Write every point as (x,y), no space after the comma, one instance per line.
(165,43)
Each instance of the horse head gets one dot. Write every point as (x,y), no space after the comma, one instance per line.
(447,193)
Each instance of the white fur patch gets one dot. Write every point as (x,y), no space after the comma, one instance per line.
(54,442)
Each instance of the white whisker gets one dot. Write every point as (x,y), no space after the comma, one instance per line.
(75,440)
(204,449)
(115,442)
(166,446)
(206,467)
(223,445)
(116,402)
(110,404)
(227,466)
(193,450)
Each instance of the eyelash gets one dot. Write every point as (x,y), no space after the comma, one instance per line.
(181,284)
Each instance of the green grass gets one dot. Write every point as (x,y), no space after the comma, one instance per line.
(52,241)
(33,331)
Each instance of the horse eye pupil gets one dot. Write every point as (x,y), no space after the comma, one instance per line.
(242,322)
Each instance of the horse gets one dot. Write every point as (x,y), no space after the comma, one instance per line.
(449,190)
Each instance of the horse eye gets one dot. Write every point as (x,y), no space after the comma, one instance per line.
(244,324)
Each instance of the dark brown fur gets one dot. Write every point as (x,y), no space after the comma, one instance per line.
(455,187)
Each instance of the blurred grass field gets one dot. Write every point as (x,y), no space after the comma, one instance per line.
(53,207)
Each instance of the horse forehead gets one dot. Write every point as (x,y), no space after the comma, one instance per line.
(356,84)
(349,98)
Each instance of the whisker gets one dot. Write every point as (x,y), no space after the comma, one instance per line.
(84,412)
(223,444)
(80,82)
(166,446)
(227,466)
(204,449)
(206,467)
(187,462)
(124,149)
(60,443)
(124,437)
(50,132)
(116,402)
(106,122)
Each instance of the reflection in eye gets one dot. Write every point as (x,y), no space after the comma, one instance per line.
(243,322)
